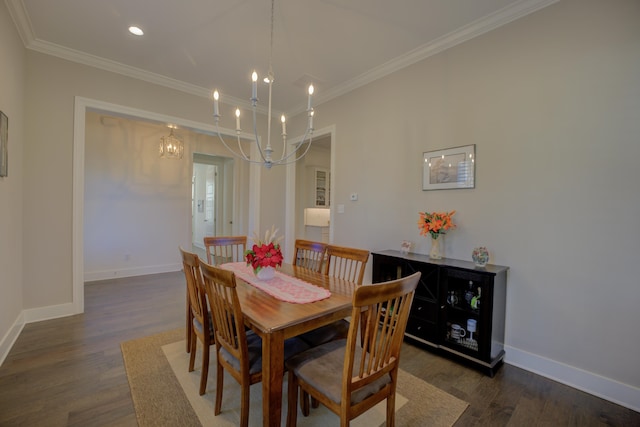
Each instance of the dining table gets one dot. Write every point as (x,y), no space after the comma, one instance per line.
(276,320)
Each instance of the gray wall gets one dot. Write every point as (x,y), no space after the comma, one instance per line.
(12,85)
(137,206)
(551,102)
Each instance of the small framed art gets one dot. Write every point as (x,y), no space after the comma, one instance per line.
(449,168)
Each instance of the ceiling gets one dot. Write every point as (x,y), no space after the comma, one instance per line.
(196,45)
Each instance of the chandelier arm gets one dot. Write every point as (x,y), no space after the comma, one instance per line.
(285,160)
(242,155)
(288,162)
(255,132)
(306,150)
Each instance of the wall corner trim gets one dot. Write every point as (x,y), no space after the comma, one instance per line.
(11,336)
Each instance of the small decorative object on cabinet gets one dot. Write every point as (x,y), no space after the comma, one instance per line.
(480,256)
(458,310)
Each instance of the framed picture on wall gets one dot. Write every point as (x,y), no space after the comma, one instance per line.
(449,168)
(4,144)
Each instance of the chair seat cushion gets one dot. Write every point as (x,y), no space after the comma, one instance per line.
(292,346)
(198,326)
(334,331)
(321,367)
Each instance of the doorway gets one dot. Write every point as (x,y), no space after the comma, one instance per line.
(211,198)
(300,189)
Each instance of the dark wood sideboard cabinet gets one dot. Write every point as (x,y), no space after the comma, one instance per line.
(453,298)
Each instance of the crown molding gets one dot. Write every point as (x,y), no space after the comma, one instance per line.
(21,19)
(507,14)
(129,71)
(463,34)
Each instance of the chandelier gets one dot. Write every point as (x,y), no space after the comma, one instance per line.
(266,151)
(171,147)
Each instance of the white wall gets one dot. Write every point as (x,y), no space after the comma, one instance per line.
(552,102)
(132,199)
(137,206)
(12,70)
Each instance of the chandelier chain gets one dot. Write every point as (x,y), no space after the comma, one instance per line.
(271,42)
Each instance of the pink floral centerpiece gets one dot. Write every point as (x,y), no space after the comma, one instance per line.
(265,255)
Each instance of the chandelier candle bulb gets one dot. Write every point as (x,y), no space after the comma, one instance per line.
(310,93)
(216,96)
(238,119)
(284,124)
(254,86)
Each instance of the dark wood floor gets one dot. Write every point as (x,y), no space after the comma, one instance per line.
(69,371)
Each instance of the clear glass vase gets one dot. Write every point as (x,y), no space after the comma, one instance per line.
(266,273)
(435,253)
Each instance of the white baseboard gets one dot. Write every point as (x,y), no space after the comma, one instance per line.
(10,337)
(49,312)
(604,388)
(130,272)
(69,309)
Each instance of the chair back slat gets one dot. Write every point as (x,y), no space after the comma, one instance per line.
(346,263)
(195,288)
(309,255)
(225,249)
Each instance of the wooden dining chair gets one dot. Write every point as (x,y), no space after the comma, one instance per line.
(223,249)
(344,263)
(238,351)
(309,255)
(200,327)
(350,377)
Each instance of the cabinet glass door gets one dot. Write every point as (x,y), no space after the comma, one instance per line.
(463,322)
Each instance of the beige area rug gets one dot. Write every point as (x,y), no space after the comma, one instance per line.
(165,394)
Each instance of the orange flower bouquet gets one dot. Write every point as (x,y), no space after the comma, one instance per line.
(265,254)
(435,224)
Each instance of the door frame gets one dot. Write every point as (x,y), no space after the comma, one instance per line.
(81,106)
(290,190)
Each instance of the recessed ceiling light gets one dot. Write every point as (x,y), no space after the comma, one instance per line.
(136,31)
